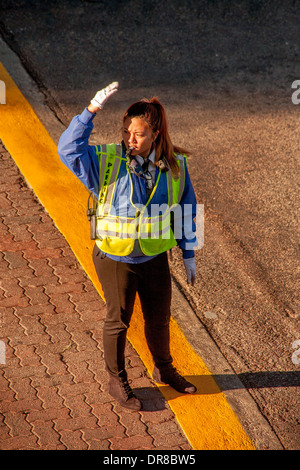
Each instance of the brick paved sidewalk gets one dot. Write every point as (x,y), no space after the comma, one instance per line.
(53,383)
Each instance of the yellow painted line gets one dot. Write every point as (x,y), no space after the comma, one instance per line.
(206,417)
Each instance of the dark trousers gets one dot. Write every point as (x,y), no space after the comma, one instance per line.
(120,283)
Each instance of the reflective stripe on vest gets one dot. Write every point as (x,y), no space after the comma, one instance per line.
(116,234)
(109,164)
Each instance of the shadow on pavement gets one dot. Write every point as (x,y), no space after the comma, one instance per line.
(213,384)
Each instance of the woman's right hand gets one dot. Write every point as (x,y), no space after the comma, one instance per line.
(102,96)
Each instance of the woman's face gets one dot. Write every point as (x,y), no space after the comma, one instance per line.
(136,133)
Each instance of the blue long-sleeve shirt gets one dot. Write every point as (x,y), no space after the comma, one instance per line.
(81,158)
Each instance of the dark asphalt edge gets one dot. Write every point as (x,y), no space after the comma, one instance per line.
(8,39)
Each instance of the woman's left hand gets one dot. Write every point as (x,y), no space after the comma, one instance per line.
(103,95)
(190,267)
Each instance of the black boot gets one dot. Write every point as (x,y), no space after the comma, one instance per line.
(120,389)
(170,376)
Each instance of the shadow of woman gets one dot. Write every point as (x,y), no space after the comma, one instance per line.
(154,399)
(215,384)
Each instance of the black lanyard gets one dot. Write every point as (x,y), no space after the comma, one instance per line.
(140,170)
(148,177)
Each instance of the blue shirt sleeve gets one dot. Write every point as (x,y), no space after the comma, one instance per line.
(76,153)
(188,204)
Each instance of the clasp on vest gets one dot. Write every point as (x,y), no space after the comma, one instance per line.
(91,214)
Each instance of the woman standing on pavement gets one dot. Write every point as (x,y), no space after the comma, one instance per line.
(136,183)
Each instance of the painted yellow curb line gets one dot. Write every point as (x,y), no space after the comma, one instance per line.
(206,418)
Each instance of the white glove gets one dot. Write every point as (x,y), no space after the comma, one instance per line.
(190,267)
(102,96)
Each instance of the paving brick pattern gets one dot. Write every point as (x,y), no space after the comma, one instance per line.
(53,385)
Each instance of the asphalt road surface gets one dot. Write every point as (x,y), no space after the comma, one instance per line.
(224,71)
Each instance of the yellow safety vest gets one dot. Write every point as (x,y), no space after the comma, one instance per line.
(116,235)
